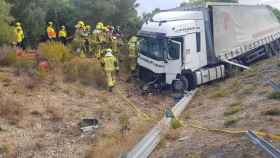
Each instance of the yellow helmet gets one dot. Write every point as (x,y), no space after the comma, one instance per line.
(50,23)
(99,25)
(18,24)
(81,23)
(88,27)
(109,50)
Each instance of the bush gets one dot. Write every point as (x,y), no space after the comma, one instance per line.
(274,95)
(87,71)
(7,56)
(5,18)
(55,52)
(230,120)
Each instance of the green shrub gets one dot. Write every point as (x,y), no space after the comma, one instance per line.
(7,32)
(230,120)
(274,95)
(7,56)
(87,71)
(232,110)
(55,52)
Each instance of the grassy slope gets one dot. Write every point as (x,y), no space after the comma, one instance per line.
(241,102)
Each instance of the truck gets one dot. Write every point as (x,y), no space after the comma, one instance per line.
(192,45)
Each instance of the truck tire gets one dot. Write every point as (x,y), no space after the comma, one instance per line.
(268,51)
(181,84)
(273,48)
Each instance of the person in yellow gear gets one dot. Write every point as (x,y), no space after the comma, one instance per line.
(115,45)
(110,64)
(88,30)
(19,36)
(133,45)
(80,29)
(62,34)
(51,31)
(99,26)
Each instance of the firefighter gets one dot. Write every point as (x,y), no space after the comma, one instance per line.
(80,29)
(114,44)
(19,36)
(51,31)
(110,64)
(132,53)
(62,34)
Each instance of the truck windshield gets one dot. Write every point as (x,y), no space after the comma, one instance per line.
(153,48)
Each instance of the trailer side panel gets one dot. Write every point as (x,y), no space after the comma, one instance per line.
(237,27)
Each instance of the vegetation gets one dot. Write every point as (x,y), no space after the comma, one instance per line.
(87,71)
(204,1)
(34,15)
(272,112)
(11,110)
(230,120)
(5,19)
(55,52)
(7,56)
(274,95)
(232,110)
(277,13)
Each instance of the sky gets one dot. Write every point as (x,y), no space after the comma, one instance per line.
(149,5)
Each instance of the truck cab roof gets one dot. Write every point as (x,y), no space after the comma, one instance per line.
(172,23)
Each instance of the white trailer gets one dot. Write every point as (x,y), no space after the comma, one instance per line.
(189,46)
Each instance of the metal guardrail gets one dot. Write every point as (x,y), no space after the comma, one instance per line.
(146,146)
(264,145)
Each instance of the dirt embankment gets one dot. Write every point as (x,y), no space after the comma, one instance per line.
(245,101)
(40,119)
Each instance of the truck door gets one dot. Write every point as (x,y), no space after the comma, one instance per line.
(173,61)
(195,57)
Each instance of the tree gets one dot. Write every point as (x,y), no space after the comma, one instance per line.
(34,14)
(6,33)
(276,13)
(204,1)
(148,16)
(115,12)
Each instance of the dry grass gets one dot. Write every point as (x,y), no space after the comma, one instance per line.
(11,110)
(272,112)
(173,134)
(232,110)
(230,120)
(234,86)
(87,71)
(54,113)
(248,89)
(113,144)
(5,151)
(7,56)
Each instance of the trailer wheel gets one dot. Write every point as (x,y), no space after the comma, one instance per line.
(268,51)
(181,84)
